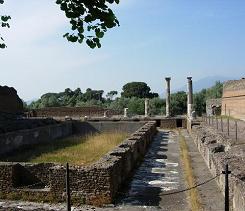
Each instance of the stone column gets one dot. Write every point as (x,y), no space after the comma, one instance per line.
(146,107)
(125,112)
(167,96)
(189,97)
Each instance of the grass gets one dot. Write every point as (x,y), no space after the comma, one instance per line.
(74,150)
(189,176)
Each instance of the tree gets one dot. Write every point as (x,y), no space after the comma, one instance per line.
(137,89)
(93,95)
(111,94)
(157,106)
(215,91)
(3,23)
(178,103)
(200,102)
(89,20)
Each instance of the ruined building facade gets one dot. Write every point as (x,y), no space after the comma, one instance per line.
(233,100)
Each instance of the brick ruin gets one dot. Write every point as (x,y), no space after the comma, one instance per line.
(233,100)
(213,107)
(96,184)
(217,150)
(73,112)
(10,104)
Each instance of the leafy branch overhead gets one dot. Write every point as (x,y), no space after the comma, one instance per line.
(89,20)
(3,23)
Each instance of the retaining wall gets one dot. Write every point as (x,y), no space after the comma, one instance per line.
(96,184)
(14,140)
(172,123)
(217,150)
(74,112)
(106,126)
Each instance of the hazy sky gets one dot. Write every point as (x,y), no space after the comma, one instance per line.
(157,38)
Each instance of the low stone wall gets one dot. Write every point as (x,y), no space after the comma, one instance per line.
(14,140)
(96,184)
(172,123)
(217,150)
(74,112)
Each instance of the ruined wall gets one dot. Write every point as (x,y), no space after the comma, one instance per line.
(172,123)
(10,103)
(13,140)
(233,100)
(217,150)
(80,127)
(213,106)
(74,112)
(96,184)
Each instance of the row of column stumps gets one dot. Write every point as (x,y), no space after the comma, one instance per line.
(189,97)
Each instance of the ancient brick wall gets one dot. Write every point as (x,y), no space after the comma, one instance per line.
(233,100)
(217,150)
(10,103)
(75,112)
(96,184)
(172,123)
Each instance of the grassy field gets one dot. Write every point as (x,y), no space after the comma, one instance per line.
(74,150)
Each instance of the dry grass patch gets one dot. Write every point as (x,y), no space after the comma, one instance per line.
(74,150)
(195,203)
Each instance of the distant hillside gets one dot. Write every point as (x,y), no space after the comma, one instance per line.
(204,83)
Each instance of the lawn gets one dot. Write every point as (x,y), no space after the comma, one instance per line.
(74,150)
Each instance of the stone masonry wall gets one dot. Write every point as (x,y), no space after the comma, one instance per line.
(233,100)
(210,104)
(172,123)
(13,140)
(217,150)
(74,112)
(96,184)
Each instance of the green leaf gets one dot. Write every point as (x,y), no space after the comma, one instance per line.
(2,45)
(66,34)
(5,18)
(72,38)
(58,1)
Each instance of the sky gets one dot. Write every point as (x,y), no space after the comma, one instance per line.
(156,39)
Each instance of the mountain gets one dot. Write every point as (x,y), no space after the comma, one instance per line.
(204,83)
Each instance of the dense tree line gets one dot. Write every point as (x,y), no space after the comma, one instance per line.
(132,97)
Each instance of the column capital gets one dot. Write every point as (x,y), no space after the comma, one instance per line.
(189,78)
(168,78)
